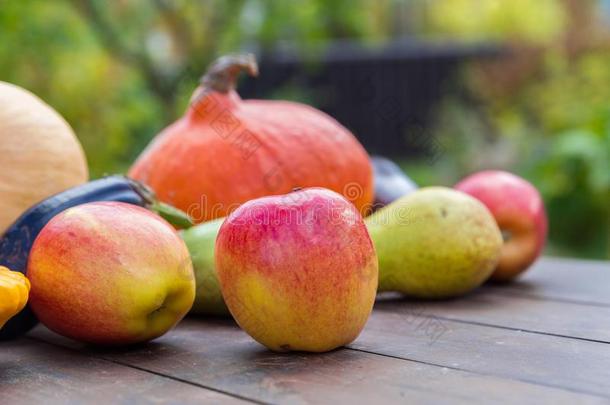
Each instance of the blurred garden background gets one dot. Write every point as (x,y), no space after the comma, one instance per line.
(532,96)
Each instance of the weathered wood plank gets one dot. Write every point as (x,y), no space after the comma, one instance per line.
(38,373)
(459,351)
(542,359)
(217,354)
(584,281)
(523,313)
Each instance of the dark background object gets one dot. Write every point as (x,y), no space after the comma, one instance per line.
(391,182)
(385,95)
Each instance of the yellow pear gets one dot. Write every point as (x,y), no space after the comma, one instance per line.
(435,243)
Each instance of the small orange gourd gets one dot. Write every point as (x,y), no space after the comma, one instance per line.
(14,292)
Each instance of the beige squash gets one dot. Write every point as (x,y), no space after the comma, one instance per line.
(39,152)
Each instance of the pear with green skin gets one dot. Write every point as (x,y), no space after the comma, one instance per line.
(200,241)
(435,243)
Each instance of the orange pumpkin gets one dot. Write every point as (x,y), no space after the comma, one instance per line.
(226,151)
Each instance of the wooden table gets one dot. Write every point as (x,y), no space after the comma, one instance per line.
(543,339)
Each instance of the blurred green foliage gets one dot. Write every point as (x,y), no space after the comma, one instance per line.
(537,21)
(121,71)
(49,49)
(543,112)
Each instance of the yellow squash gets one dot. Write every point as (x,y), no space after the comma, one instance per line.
(41,156)
(14,292)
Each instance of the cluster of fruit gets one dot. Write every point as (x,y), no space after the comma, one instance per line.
(299,272)
(295,256)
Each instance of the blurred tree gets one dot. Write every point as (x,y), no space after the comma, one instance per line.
(544,112)
(534,22)
(120,71)
(47,48)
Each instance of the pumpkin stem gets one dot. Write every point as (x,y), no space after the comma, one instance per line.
(222,74)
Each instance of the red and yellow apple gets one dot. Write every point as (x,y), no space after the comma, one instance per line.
(519,211)
(110,273)
(299,271)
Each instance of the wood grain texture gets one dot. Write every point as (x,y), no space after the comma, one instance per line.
(516,312)
(34,372)
(584,281)
(543,339)
(541,359)
(217,354)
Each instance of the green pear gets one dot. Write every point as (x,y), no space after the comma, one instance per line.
(435,243)
(200,241)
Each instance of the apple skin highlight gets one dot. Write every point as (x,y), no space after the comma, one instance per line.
(519,211)
(299,271)
(110,273)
